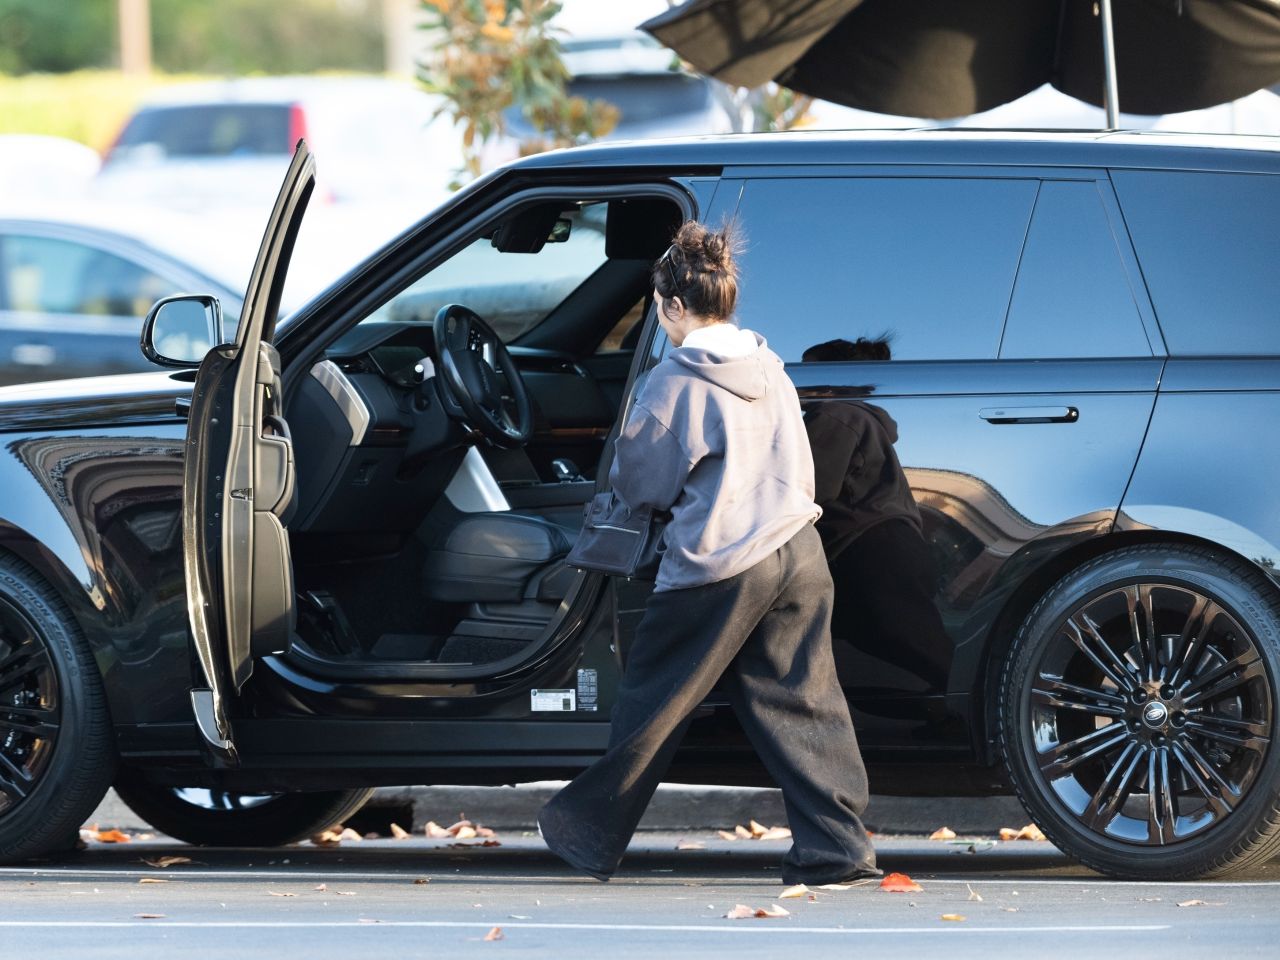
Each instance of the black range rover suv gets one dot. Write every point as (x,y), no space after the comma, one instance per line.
(331,556)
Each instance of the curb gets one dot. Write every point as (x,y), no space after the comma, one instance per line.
(674,807)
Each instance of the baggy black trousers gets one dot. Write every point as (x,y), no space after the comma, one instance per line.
(767,631)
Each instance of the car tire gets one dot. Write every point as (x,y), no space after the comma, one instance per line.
(57,750)
(221,818)
(1146,753)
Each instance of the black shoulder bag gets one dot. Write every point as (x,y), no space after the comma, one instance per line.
(619,540)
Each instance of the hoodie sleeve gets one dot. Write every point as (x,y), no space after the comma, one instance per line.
(649,464)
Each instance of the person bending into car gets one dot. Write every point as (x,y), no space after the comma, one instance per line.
(742,592)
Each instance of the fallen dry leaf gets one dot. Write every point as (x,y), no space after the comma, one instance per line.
(399,832)
(691,845)
(1202,903)
(776,833)
(485,832)
(346,893)
(726,835)
(799,890)
(465,833)
(329,838)
(1029,832)
(166,862)
(421,881)
(742,912)
(956,917)
(152,880)
(757,829)
(112,836)
(149,916)
(349,834)
(275,893)
(835,886)
(321,887)
(973,894)
(742,832)
(435,831)
(455,827)
(943,833)
(900,883)
(494,934)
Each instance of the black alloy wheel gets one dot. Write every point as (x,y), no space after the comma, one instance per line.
(225,818)
(57,756)
(1137,714)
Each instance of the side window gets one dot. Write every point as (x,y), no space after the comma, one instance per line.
(46,275)
(929,262)
(1072,297)
(1209,245)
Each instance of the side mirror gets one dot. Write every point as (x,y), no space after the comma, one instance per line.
(179,331)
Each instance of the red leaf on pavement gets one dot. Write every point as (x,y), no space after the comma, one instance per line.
(112,836)
(900,883)
(494,934)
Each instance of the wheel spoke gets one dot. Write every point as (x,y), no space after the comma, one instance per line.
(36,728)
(1057,693)
(1217,802)
(23,661)
(1142,629)
(1194,630)
(14,781)
(1202,763)
(1225,677)
(1114,789)
(1084,634)
(1059,760)
(1256,744)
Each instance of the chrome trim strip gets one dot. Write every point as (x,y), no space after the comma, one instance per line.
(330,376)
(473,488)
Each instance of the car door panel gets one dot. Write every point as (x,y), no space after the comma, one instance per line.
(239,482)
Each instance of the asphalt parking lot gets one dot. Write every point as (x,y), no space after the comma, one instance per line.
(429,898)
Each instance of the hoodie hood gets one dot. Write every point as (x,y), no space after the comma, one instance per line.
(890,425)
(747,377)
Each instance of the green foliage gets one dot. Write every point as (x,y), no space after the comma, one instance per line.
(56,35)
(490,55)
(211,36)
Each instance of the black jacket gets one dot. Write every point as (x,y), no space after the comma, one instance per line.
(857,478)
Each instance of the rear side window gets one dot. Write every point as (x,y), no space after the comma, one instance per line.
(48,275)
(1073,297)
(1209,245)
(929,262)
(208,130)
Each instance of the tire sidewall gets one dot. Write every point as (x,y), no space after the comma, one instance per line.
(1242,597)
(83,757)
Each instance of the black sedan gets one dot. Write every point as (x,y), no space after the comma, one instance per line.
(312,559)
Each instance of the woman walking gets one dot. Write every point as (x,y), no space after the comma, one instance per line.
(716,437)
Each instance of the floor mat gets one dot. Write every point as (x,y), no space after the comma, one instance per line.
(478,649)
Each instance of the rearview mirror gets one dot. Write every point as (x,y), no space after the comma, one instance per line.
(179,331)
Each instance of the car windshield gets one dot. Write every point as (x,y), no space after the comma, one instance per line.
(512,291)
(207,130)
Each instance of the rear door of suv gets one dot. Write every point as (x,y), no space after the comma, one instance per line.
(1025,361)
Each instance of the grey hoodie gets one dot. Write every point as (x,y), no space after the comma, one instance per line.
(720,442)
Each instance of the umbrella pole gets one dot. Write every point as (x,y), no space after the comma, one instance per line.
(1111,88)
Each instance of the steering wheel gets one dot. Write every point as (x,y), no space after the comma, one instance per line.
(474,364)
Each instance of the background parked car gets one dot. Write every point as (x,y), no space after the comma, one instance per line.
(73,291)
(230,142)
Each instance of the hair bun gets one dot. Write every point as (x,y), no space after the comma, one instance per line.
(707,251)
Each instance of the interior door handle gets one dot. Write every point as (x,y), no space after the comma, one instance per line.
(1029,414)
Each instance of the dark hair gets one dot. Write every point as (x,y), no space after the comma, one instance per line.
(700,269)
(836,350)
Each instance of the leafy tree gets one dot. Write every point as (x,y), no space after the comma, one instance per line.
(490,55)
(56,35)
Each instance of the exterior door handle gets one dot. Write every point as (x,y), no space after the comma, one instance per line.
(999,415)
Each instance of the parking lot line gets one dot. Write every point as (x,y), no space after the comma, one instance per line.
(506,925)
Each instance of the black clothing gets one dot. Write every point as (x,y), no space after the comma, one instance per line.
(858,481)
(767,631)
(886,581)
(885,576)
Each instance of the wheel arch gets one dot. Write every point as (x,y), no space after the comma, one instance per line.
(999,638)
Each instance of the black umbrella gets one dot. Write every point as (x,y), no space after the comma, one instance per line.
(950,58)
